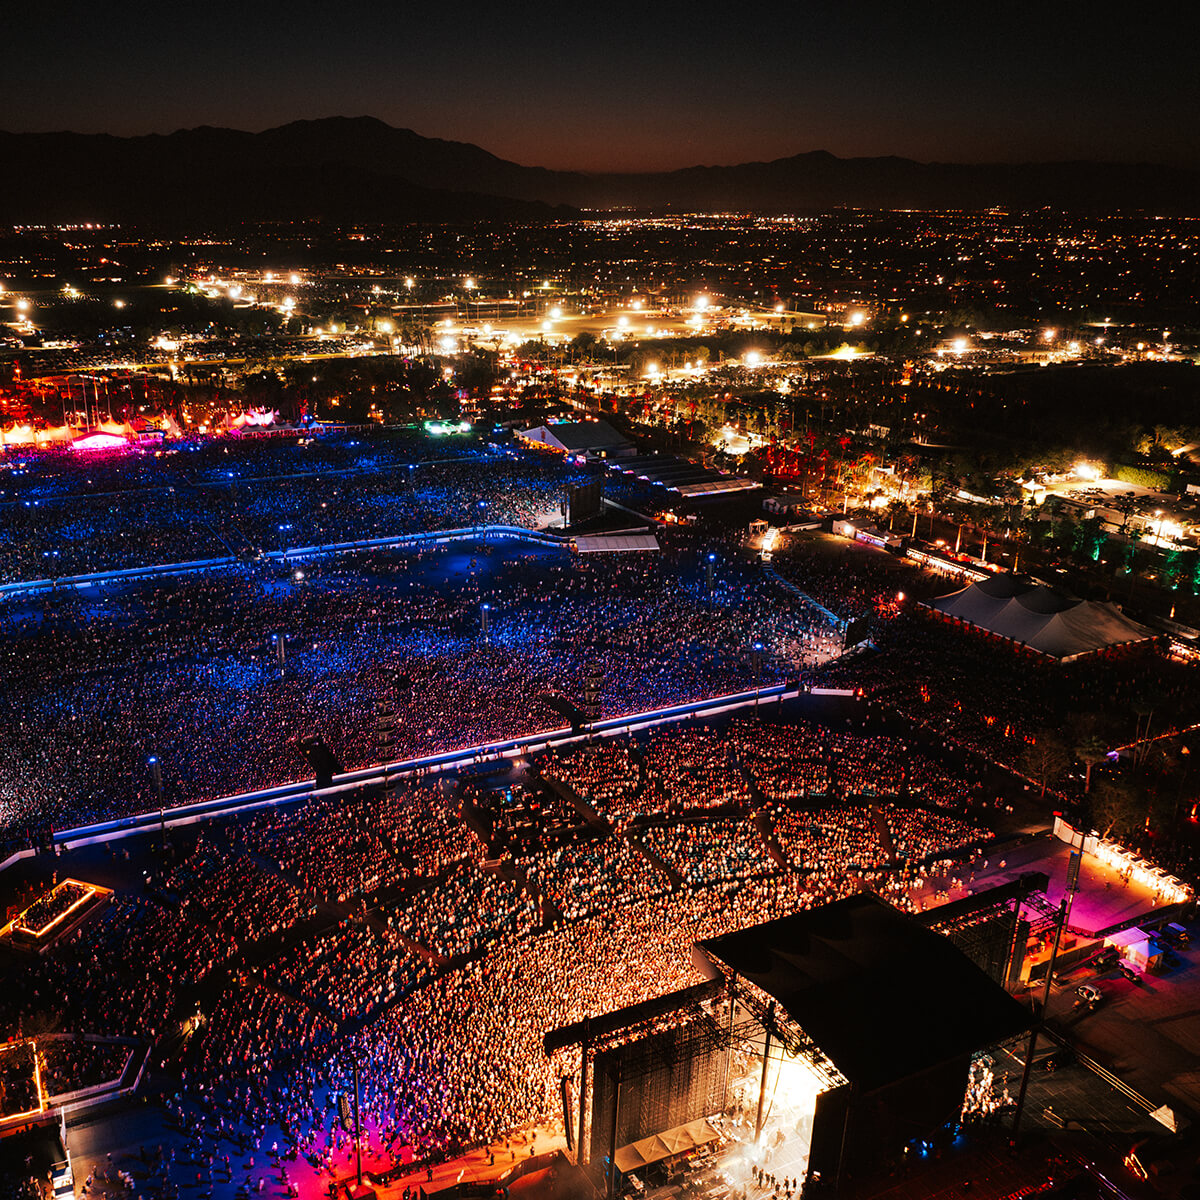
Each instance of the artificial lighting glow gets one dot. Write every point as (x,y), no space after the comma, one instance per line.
(408,283)
(701,303)
(447,344)
(294,278)
(960,345)
(469,284)
(753,358)
(385,326)
(779,308)
(1048,335)
(622,322)
(555,313)
(119,303)
(857,318)
(288,302)
(1086,471)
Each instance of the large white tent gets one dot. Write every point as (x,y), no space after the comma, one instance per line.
(1045,619)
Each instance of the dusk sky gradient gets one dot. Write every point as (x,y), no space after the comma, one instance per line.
(629,87)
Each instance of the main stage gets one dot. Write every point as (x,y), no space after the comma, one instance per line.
(821,1044)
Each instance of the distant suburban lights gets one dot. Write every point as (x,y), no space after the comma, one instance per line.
(294,278)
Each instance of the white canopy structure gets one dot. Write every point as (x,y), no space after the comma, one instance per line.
(612,543)
(665,1145)
(1045,619)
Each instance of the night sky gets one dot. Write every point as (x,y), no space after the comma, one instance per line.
(623,86)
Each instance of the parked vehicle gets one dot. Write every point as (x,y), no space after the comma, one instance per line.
(1129,973)
(1089,993)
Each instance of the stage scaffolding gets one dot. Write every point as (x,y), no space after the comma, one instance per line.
(658,1065)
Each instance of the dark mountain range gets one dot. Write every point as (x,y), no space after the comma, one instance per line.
(361,169)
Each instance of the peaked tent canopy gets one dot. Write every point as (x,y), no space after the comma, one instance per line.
(1046,619)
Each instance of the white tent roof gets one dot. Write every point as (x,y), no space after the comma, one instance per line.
(1040,617)
(716,486)
(608,543)
(664,1145)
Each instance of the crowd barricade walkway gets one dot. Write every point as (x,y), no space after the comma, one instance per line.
(223,806)
(399,541)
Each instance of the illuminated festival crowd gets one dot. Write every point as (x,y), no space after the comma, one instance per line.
(433,931)
(69,514)
(384,928)
(188,670)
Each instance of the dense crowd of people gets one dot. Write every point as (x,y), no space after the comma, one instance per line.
(187,671)
(433,930)
(258,965)
(70,514)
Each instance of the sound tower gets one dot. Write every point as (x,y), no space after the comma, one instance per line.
(321,759)
(857,630)
(593,681)
(583,502)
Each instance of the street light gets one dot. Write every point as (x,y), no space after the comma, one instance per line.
(156,775)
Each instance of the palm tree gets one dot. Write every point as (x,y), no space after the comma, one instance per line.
(1090,751)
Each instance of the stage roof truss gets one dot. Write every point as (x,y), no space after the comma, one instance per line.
(793,1039)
